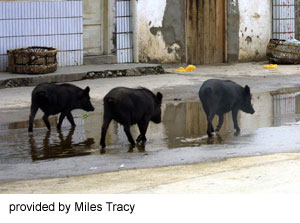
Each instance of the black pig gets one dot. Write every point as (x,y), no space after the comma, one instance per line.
(221,96)
(131,106)
(58,98)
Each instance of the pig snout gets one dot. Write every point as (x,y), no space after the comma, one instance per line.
(90,108)
(87,106)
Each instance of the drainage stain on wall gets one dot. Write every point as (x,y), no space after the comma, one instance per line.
(161,31)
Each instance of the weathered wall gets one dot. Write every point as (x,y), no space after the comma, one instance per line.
(161,25)
(255,29)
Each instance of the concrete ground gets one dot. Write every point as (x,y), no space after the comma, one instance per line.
(258,174)
(277,173)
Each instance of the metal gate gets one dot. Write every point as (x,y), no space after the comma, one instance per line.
(283,19)
(124,31)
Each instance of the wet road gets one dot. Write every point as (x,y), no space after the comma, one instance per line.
(180,139)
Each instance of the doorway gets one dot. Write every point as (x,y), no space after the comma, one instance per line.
(205,31)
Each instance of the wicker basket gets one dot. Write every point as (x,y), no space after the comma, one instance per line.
(283,52)
(32,60)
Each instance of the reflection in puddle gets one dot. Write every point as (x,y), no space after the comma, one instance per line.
(65,147)
(183,125)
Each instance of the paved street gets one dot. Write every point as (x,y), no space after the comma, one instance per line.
(178,158)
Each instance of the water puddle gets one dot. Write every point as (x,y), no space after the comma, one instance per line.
(183,126)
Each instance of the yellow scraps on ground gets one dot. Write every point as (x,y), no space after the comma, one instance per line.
(271,66)
(189,68)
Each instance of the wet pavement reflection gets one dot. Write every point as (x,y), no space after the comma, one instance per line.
(64,148)
(183,126)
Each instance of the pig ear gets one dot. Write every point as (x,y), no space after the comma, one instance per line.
(87,90)
(159,96)
(246,90)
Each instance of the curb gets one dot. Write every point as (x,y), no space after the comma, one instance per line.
(59,78)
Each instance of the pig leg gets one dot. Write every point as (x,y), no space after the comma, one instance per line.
(71,119)
(33,111)
(61,118)
(221,120)
(143,126)
(128,134)
(235,122)
(106,122)
(209,115)
(45,118)
(210,127)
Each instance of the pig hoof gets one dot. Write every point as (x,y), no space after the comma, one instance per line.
(237,132)
(141,138)
(102,151)
(138,138)
(142,141)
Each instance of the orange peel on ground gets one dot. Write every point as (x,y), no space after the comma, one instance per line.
(189,68)
(271,66)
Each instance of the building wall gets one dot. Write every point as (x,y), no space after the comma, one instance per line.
(41,23)
(98,25)
(161,25)
(161,30)
(255,29)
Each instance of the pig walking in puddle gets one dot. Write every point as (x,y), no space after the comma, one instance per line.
(58,98)
(131,106)
(221,96)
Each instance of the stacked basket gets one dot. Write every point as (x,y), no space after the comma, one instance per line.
(283,51)
(32,60)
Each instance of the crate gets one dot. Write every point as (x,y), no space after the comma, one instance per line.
(32,60)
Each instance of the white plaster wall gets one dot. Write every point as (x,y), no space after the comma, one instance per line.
(152,11)
(152,47)
(255,28)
